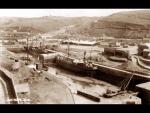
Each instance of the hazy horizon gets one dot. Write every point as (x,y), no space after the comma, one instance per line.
(29,13)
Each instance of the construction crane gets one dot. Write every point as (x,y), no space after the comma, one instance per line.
(122,90)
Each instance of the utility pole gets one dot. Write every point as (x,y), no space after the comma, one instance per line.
(84,56)
(40,45)
(27,50)
(36,42)
(68,48)
(90,54)
(43,41)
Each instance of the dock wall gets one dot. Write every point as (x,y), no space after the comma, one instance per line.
(9,85)
(109,74)
(116,76)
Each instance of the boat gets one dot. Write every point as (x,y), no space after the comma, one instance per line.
(122,90)
(75,65)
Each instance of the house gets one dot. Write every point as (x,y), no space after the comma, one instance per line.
(81,42)
(114,44)
(146,53)
(143,46)
(120,51)
(22,41)
(16,65)
(45,59)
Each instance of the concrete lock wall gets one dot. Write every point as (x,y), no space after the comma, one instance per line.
(3,92)
(144,93)
(115,76)
(109,74)
(10,86)
(112,75)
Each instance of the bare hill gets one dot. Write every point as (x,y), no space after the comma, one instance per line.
(43,24)
(131,24)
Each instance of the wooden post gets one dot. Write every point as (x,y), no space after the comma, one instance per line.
(68,49)
(84,56)
(27,50)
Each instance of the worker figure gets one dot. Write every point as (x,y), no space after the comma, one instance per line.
(37,67)
(84,56)
(16,65)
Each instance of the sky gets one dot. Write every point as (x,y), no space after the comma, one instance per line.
(59,12)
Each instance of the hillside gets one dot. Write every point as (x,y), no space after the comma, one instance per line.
(129,24)
(132,24)
(43,24)
(15,28)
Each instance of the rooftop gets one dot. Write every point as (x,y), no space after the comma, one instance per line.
(144,85)
(145,44)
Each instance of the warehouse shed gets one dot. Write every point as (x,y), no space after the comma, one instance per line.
(47,57)
(141,47)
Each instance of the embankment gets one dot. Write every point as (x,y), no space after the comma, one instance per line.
(4,74)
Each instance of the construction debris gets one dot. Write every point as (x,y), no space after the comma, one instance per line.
(89,94)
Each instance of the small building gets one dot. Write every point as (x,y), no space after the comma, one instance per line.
(141,47)
(148,56)
(47,58)
(16,65)
(22,41)
(109,51)
(103,43)
(146,52)
(144,92)
(106,38)
(81,42)
(8,42)
(120,51)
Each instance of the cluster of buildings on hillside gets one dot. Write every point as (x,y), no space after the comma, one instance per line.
(144,50)
(127,51)
(114,47)
(120,51)
(80,42)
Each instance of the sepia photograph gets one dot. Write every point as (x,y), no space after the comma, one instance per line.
(75,56)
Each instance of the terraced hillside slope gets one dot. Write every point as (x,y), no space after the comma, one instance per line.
(22,27)
(131,24)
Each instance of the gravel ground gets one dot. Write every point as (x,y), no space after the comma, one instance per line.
(75,82)
(44,88)
(61,88)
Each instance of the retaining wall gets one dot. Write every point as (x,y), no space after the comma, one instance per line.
(145,61)
(9,85)
(115,76)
